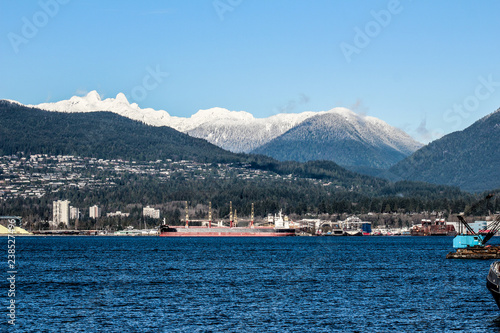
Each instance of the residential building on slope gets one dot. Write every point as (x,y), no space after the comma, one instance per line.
(60,213)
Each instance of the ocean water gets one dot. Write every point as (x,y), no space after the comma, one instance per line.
(294,284)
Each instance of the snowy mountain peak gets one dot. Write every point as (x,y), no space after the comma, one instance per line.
(120,98)
(350,115)
(343,136)
(92,96)
(221,113)
(342,111)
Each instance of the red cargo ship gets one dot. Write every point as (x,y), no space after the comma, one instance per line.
(167,231)
(281,228)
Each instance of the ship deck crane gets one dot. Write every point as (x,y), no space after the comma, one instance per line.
(473,238)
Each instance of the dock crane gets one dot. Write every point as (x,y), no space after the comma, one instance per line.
(472,238)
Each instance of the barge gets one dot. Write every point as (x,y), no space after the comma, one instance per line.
(475,252)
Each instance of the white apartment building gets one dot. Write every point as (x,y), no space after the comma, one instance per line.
(94,212)
(74,213)
(151,212)
(60,212)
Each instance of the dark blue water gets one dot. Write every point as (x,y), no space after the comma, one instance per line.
(298,284)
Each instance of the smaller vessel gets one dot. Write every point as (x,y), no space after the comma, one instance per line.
(336,229)
(493,281)
(354,226)
(437,228)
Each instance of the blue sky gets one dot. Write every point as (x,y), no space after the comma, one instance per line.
(427,67)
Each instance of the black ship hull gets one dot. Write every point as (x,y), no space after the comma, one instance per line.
(493,282)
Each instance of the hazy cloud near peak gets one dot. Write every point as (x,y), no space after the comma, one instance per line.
(421,133)
(359,108)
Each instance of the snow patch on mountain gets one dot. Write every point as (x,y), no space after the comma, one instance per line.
(92,102)
(245,133)
(346,123)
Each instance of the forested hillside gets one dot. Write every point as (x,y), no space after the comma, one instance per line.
(98,134)
(469,159)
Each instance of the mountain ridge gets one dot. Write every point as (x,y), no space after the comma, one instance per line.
(263,129)
(236,131)
(97,134)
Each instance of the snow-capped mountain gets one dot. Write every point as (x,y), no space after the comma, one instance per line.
(237,131)
(345,137)
(240,131)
